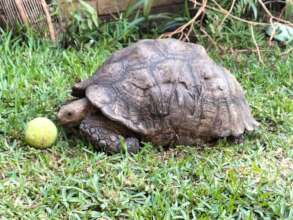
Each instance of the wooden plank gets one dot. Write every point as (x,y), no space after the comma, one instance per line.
(49,21)
(22,12)
(105,7)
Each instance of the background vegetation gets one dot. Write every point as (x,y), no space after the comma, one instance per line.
(71,180)
(212,22)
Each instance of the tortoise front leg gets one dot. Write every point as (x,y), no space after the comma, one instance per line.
(105,134)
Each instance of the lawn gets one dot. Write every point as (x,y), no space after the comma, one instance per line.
(252,180)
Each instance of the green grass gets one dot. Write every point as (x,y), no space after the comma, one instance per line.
(71,180)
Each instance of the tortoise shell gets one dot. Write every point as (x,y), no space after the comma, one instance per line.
(169,92)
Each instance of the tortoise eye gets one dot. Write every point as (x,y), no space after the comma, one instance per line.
(69,114)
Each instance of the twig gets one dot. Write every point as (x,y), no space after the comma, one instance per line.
(274,1)
(203,7)
(273,31)
(49,21)
(21,12)
(248,50)
(211,39)
(256,45)
(287,52)
(226,16)
(189,25)
(185,30)
(194,3)
(225,12)
(272,16)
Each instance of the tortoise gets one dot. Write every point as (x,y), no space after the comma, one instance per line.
(162,91)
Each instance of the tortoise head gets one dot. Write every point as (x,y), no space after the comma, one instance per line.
(74,112)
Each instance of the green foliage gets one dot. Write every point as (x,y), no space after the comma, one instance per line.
(71,180)
(289,10)
(82,27)
(139,21)
(242,7)
(247,6)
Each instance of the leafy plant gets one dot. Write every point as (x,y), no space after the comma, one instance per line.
(247,6)
(139,21)
(82,26)
(289,9)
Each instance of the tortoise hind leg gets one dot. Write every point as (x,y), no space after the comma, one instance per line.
(105,134)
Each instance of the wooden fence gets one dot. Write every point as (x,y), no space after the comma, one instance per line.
(105,7)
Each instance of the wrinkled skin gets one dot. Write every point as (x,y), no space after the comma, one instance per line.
(103,133)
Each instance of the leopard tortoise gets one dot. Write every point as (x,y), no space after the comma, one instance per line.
(164,91)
